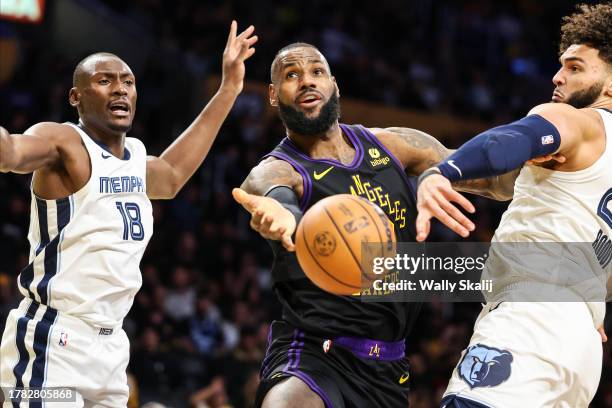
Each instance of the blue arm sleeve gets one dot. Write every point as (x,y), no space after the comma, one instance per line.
(502,149)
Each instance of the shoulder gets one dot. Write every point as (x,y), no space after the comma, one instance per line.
(416,150)
(58,133)
(136,143)
(551,107)
(400,135)
(271,172)
(567,118)
(563,110)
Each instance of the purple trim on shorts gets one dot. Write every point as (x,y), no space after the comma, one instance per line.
(374,140)
(264,365)
(286,142)
(366,348)
(307,183)
(291,350)
(292,367)
(300,347)
(312,385)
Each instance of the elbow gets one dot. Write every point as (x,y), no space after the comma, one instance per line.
(6,152)
(173,189)
(502,196)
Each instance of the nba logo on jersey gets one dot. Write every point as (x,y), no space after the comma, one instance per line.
(548,139)
(63,340)
(326,346)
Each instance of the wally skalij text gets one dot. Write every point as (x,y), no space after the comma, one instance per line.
(483,272)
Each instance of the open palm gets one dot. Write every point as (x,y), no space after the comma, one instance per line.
(237,50)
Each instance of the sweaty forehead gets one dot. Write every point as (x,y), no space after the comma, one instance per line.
(298,56)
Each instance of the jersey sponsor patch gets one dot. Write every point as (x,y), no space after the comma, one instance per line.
(484,366)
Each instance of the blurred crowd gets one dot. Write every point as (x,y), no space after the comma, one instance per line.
(199,325)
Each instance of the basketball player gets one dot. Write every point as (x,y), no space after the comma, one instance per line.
(540,354)
(329,350)
(90,222)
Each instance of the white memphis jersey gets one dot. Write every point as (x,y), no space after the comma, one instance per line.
(85,249)
(560,207)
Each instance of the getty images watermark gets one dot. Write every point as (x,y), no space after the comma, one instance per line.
(477,272)
(37,394)
(423,264)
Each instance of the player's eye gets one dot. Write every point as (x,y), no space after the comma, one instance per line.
(291,74)
(574,68)
(128,82)
(103,81)
(318,71)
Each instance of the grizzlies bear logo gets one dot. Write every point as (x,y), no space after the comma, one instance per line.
(484,366)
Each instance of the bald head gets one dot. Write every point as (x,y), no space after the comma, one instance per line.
(88,64)
(292,51)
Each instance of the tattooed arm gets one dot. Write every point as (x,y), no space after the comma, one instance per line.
(271,194)
(271,173)
(417,151)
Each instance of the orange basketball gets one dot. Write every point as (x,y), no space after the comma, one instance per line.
(328,242)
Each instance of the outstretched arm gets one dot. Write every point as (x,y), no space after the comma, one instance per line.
(271,194)
(36,148)
(167,174)
(550,130)
(419,151)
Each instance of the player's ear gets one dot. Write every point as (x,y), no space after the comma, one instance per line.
(273,95)
(608,87)
(74,97)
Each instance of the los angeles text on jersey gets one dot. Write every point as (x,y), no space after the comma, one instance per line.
(377,195)
(121,184)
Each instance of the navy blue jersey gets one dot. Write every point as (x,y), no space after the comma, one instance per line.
(376,175)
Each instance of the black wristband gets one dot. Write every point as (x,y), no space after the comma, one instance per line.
(288,199)
(429,172)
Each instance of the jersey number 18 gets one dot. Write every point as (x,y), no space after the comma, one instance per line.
(132,224)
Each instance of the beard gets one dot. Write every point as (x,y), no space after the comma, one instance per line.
(585,97)
(297,121)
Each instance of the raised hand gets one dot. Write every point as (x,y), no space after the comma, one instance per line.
(434,199)
(268,217)
(237,50)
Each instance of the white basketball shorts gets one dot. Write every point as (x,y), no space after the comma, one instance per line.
(42,348)
(529,354)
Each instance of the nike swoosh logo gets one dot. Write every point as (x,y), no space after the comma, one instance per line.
(319,176)
(105,156)
(404,378)
(454,166)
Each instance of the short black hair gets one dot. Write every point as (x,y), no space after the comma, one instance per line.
(79,68)
(287,48)
(590,25)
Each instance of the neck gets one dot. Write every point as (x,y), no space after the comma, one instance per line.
(331,144)
(604,101)
(114,141)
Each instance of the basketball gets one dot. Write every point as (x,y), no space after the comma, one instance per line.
(329,239)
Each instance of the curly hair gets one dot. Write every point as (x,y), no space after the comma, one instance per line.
(590,25)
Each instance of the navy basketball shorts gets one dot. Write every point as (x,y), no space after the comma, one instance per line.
(343,371)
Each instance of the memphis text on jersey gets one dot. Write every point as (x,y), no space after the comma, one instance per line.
(122,184)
